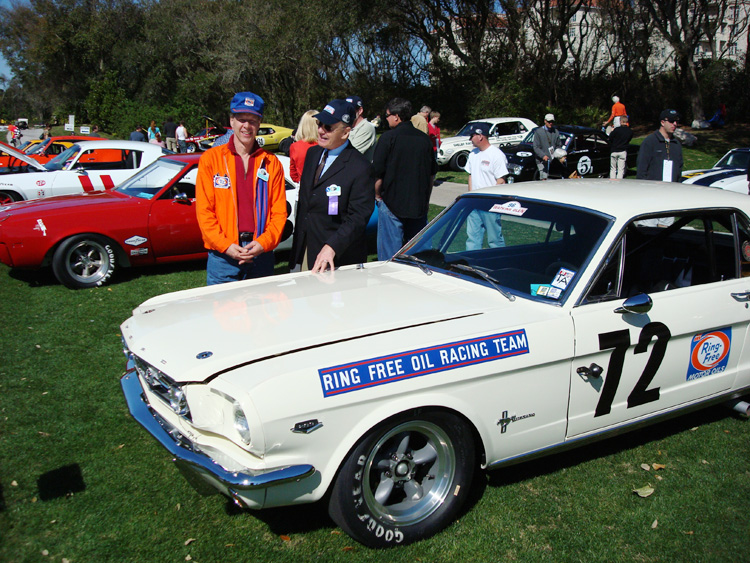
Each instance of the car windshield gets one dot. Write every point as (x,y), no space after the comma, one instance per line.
(62,161)
(566,137)
(734,159)
(528,248)
(466,129)
(37,148)
(149,181)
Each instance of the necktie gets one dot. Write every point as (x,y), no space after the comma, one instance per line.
(319,169)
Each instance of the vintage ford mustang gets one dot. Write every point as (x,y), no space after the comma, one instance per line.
(730,173)
(148,219)
(84,167)
(517,324)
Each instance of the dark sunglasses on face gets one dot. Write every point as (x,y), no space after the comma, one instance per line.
(328,128)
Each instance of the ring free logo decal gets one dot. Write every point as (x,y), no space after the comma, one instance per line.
(709,353)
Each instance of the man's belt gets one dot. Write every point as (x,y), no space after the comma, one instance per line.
(246,237)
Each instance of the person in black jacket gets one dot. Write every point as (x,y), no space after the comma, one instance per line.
(660,155)
(336,196)
(619,139)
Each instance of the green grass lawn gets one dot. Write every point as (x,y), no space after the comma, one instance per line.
(81,481)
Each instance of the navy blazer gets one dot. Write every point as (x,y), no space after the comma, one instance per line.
(344,231)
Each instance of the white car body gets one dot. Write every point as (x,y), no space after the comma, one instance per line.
(504,131)
(273,386)
(729,173)
(80,170)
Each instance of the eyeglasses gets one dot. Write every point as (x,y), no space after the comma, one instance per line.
(328,128)
(387,115)
(671,120)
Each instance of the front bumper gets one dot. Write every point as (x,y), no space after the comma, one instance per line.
(197,467)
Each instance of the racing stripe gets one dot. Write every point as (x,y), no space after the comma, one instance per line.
(86,183)
(107,181)
(710,178)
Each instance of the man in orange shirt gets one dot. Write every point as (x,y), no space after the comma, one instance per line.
(618,110)
(240,199)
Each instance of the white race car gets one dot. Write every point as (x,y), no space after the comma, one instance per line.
(86,166)
(512,326)
(730,173)
(504,132)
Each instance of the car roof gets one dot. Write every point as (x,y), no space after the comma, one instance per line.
(623,198)
(494,120)
(575,129)
(76,138)
(183,157)
(116,144)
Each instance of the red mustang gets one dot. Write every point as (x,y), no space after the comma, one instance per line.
(148,219)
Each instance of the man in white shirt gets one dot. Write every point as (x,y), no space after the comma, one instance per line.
(487,166)
(363,134)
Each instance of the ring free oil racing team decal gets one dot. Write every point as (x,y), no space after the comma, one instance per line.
(709,353)
(415,363)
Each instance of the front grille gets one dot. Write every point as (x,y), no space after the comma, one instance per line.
(163,387)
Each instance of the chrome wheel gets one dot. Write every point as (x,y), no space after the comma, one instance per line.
(84,261)
(409,472)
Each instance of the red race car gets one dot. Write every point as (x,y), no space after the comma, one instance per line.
(148,219)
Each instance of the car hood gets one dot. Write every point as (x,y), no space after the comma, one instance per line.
(40,207)
(462,140)
(710,176)
(195,334)
(24,158)
(519,152)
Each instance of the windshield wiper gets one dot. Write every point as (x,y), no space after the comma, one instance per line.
(414,260)
(484,275)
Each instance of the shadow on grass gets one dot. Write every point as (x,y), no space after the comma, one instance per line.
(606,447)
(286,520)
(61,482)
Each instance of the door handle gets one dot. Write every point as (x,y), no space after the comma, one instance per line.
(592,371)
(744,296)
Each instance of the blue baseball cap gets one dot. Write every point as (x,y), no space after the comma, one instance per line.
(338,110)
(247,102)
(355,101)
(480,129)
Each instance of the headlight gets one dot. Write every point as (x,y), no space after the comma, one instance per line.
(240,423)
(177,400)
(515,169)
(447,152)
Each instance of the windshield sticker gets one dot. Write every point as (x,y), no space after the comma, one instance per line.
(424,361)
(144,195)
(563,278)
(135,240)
(540,289)
(510,208)
(709,353)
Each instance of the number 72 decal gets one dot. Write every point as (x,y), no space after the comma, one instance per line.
(619,340)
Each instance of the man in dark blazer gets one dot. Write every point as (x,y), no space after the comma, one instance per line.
(336,196)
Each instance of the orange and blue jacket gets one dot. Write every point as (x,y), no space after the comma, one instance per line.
(216,199)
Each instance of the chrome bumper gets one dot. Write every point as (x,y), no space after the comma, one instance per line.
(187,456)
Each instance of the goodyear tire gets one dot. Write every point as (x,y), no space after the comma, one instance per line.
(458,162)
(406,479)
(84,261)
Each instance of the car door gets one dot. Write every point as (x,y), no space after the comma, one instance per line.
(684,346)
(173,226)
(507,134)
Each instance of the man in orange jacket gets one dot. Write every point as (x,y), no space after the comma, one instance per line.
(240,199)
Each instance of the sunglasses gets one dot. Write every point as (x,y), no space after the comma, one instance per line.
(327,128)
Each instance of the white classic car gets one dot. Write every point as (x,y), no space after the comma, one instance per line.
(85,167)
(504,132)
(511,327)
(730,173)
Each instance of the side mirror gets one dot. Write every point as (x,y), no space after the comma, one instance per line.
(638,305)
(182,198)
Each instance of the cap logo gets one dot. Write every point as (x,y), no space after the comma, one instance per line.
(345,118)
(329,109)
(249,102)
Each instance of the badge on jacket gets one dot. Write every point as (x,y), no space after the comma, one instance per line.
(263,174)
(221,182)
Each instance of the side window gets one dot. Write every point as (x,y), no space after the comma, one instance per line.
(671,252)
(502,129)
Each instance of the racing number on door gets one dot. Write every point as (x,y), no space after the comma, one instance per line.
(619,340)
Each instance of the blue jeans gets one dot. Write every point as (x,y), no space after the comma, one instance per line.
(181,146)
(222,269)
(394,232)
(479,221)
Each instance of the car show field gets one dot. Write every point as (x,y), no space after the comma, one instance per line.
(81,480)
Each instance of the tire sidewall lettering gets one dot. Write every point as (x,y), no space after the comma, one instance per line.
(111,253)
